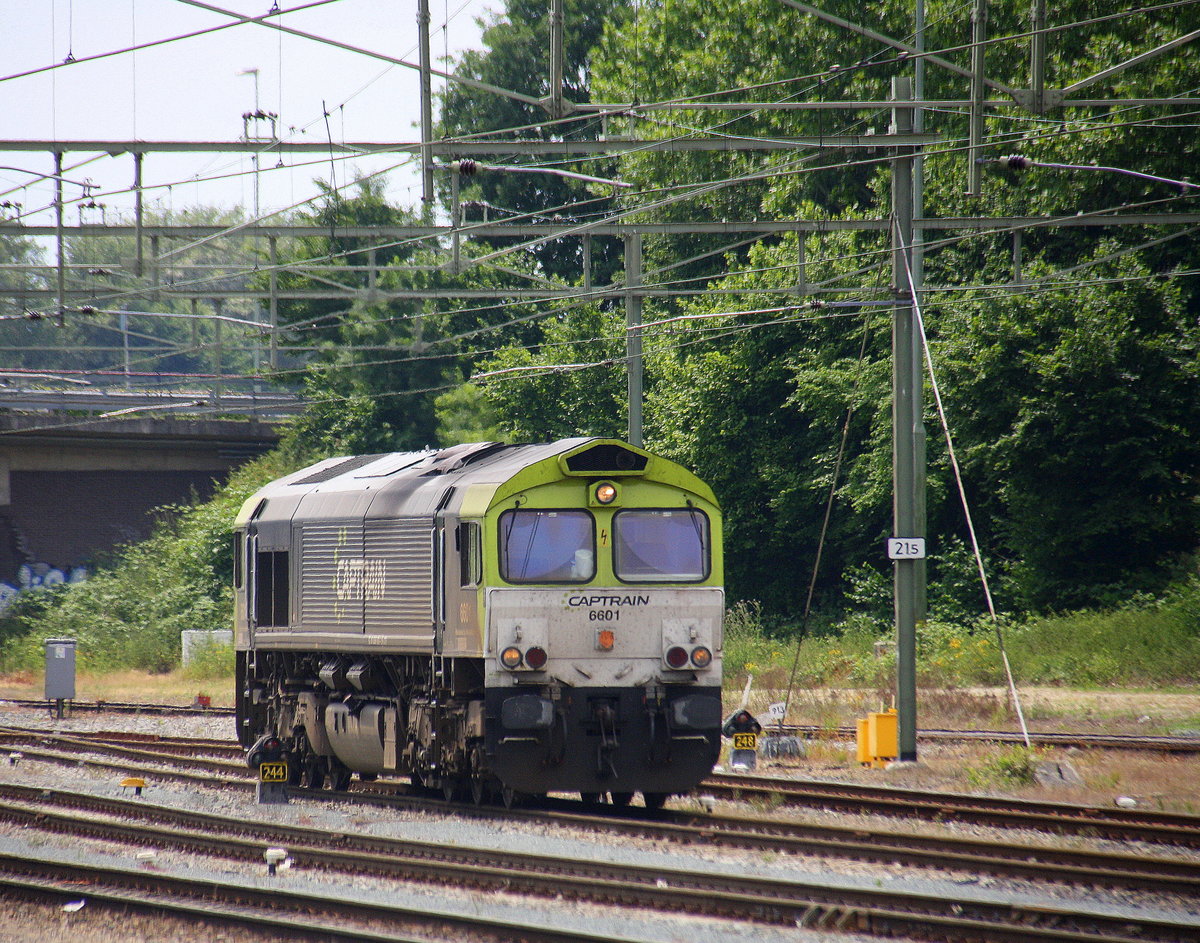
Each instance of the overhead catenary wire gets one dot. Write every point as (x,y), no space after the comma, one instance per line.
(385,171)
(1141,10)
(935,244)
(73,60)
(1026,288)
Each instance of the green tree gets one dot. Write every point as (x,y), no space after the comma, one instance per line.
(516,57)
(570,382)
(1075,409)
(156,334)
(379,363)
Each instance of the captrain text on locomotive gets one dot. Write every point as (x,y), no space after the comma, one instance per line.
(503,619)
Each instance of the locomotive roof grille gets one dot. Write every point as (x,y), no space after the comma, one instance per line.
(341,468)
(607,459)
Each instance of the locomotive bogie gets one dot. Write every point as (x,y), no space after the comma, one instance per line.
(508,618)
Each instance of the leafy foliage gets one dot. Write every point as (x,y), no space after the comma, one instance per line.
(516,57)
(1068,399)
(380,362)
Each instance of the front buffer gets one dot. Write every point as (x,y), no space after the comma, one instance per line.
(595,740)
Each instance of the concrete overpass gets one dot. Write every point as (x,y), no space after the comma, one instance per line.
(72,489)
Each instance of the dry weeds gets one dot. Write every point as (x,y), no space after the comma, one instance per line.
(1169,782)
(1163,781)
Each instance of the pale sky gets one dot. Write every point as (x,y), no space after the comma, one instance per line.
(191,90)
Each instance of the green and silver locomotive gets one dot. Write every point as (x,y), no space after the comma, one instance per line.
(499,619)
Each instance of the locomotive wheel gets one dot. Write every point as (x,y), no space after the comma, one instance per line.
(478,779)
(620,799)
(449,789)
(312,772)
(592,798)
(508,796)
(655,800)
(339,776)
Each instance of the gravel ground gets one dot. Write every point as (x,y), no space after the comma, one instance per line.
(27,923)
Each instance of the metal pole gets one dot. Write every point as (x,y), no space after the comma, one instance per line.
(137,211)
(556,58)
(1037,57)
(426,107)
(978,92)
(59,237)
(633,333)
(123,319)
(254,156)
(218,307)
(801,265)
(455,220)
(273,244)
(154,269)
(905,405)
(918,280)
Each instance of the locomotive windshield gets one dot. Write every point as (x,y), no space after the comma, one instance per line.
(547,546)
(660,546)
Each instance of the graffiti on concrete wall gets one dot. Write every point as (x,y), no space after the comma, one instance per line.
(33,576)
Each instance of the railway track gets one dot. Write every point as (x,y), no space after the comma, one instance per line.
(1058,818)
(1083,741)
(118,707)
(223,758)
(828,902)
(1157,744)
(283,912)
(1001,859)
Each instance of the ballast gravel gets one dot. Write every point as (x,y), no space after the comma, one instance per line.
(35,923)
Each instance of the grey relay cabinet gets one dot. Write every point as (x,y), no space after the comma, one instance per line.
(60,669)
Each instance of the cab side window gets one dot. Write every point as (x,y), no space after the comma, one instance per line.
(271,588)
(469,538)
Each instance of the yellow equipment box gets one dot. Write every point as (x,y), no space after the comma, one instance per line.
(878,738)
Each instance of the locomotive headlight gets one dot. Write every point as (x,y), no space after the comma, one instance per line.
(604,494)
(535,658)
(605,639)
(510,658)
(676,657)
(701,657)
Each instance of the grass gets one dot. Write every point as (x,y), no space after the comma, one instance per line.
(1150,644)
(172,687)
(1009,767)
